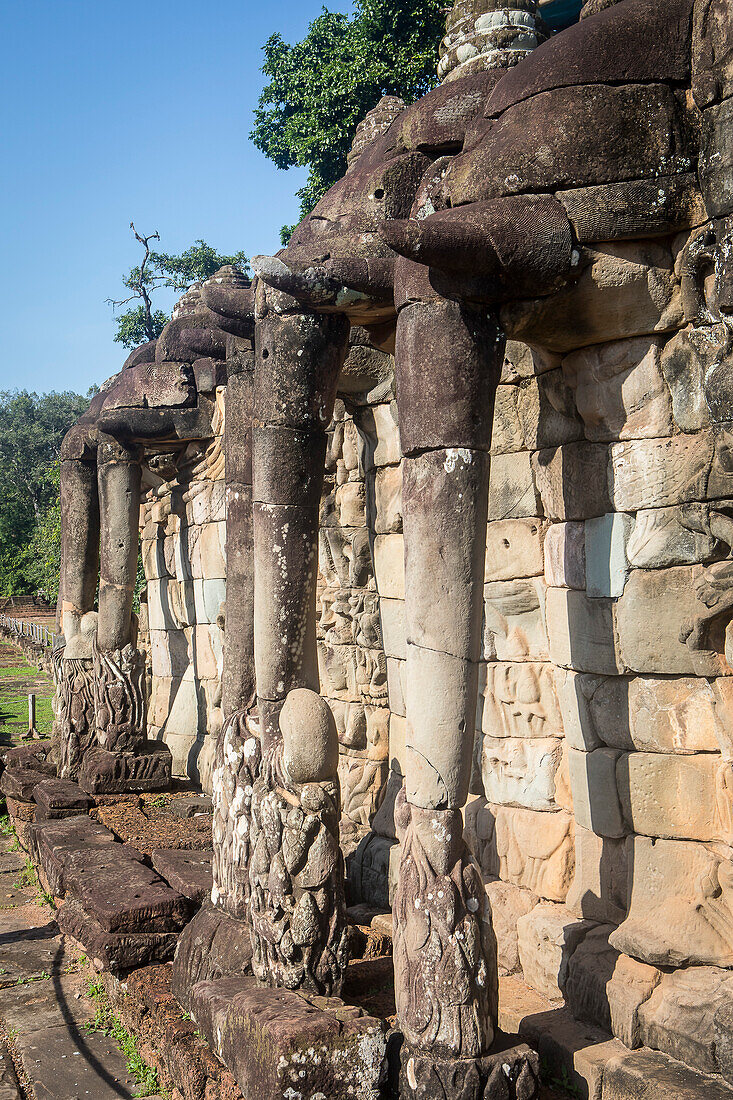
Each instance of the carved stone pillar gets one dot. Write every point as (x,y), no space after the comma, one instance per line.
(238,747)
(445,966)
(74,727)
(298,358)
(298,908)
(118,664)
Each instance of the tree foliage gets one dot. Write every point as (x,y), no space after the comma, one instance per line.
(159,270)
(319,89)
(31,431)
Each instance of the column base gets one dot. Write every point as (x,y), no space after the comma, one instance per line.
(281,1043)
(509,1072)
(104,772)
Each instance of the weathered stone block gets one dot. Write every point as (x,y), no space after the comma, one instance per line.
(652,714)
(518,700)
(389,566)
(606,564)
(649,1075)
(679,1016)
(105,772)
(656,473)
(574,693)
(506,904)
(207,550)
(534,413)
(525,847)
(275,1040)
(392,617)
(518,772)
(514,549)
(547,937)
(599,890)
(381,440)
(681,907)
(121,893)
(513,492)
(506,432)
(684,797)
(595,796)
(656,605)
(60,798)
(581,632)
(620,390)
(117,952)
(189,873)
(573,480)
(395,682)
(514,625)
(607,988)
(20,783)
(565,555)
(213,945)
(668,536)
(208,596)
(387,517)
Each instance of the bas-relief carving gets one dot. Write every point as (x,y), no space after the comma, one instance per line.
(445,991)
(236,768)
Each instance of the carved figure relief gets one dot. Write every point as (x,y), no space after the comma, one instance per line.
(446,993)
(297,905)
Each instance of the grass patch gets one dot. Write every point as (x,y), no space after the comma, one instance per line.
(14,698)
(28,880)
(107,1023)
(159,801)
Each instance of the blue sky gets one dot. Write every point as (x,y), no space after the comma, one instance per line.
(116,112)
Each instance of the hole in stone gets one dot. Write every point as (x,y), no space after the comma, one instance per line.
(379,193)
(265,353)
(506,543)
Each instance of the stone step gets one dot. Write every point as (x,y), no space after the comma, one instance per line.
(20,783)
(280,1043)
(60,798)
(116,952)
(187,872)
(124,895)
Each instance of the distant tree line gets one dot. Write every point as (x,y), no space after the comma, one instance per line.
(31,430)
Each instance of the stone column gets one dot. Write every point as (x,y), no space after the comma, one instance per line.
(119,665)
(448,361)
(74,674)
(238,747)
(298,926)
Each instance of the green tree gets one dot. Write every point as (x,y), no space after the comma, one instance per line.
(157,270)
(319,89)
(31,430)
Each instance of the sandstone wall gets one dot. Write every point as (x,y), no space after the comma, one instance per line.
(184,556)
(601,791)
